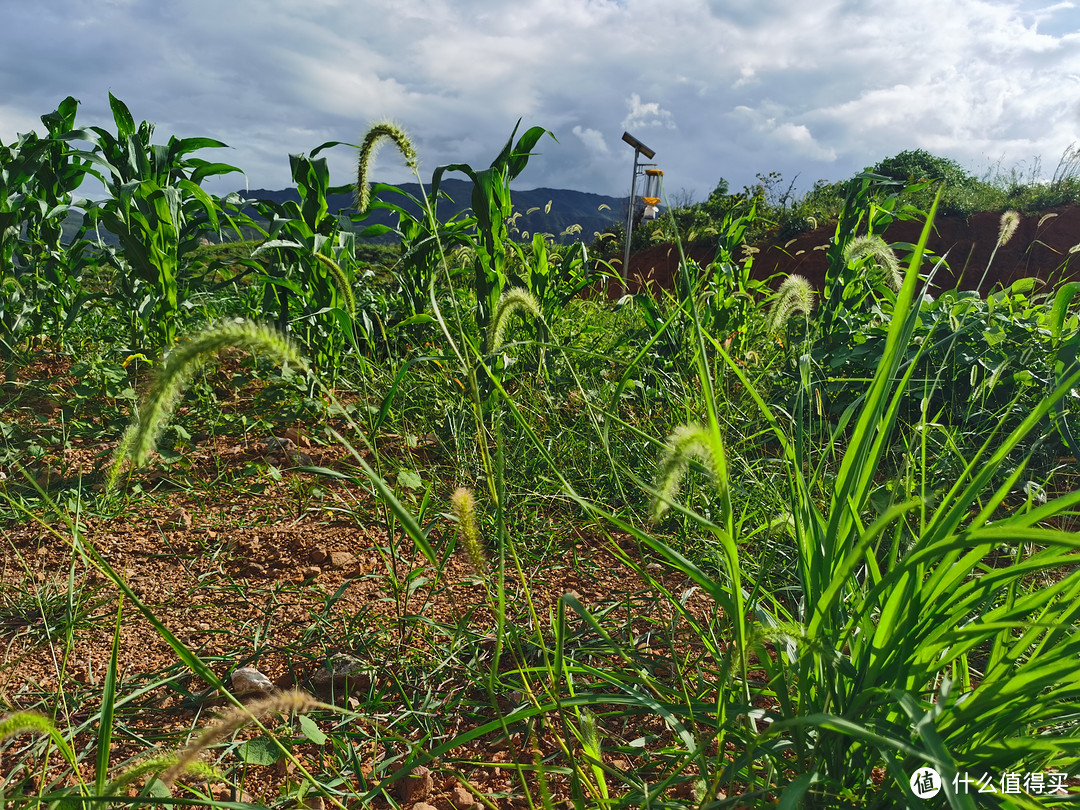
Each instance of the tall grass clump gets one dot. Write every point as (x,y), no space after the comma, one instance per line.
(906,643)
(909,634)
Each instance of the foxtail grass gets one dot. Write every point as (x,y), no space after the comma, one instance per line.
(463,504)
(686,442)
(235,719)
(175,373)
(22,722)
(369,148)
(1010,221)
(155,765)
(874,248)
(795,295)
(511,301)
(341,282)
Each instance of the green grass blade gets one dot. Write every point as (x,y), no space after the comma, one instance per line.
(108,707)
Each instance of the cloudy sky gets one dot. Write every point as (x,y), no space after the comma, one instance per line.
(717,88)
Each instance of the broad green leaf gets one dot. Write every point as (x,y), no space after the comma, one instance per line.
(125,123)
(409,479)
(259,751)
(311,730)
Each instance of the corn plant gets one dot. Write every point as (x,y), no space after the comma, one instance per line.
(19,163)
(40,276)
(158,211)
(423,244)
(554,275)
(871,203)
(493,207)
(307,284)
(731,295)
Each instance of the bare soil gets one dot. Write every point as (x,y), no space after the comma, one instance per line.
(258,569)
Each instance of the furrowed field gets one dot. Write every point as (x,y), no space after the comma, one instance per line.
(301,511)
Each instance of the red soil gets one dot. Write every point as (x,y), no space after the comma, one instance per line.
(1039,248)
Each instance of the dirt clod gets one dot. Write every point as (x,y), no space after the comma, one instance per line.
(461,798)
(416,786)
(341,559)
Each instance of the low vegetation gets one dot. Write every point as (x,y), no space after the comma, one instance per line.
(294,521)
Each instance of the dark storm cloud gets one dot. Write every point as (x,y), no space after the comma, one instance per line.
(819,90)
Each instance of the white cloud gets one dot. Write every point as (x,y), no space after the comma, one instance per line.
(593,139)
(767,129)
(646,114)
(718,89)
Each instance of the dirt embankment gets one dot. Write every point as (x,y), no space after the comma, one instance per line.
(1039,248)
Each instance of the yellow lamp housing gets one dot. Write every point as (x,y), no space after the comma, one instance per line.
(651,197)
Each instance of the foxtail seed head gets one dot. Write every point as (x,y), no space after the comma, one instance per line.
(510,302)
(795,295)
(382,131)
(684,443)
(156,765)
(463,505)
(873,246)
(341,281)
(25,721)
(176,370)
(235,719)
(1010,221)
(21,722)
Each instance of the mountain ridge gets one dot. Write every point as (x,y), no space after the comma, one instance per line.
(545,210)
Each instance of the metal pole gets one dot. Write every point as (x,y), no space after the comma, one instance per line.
(629,223)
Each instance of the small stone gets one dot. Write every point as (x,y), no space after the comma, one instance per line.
(300,458)
(340,559)
(461,798)
(310,571)
(416,786)
(274,444)
(314,803)
(180,518)
(47,476)
(318,555)
(423,806)
(249,679)
(298,438)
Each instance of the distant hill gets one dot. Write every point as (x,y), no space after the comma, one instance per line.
(593,212)
(568,208)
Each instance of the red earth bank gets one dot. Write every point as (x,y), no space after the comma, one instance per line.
(1039,248)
